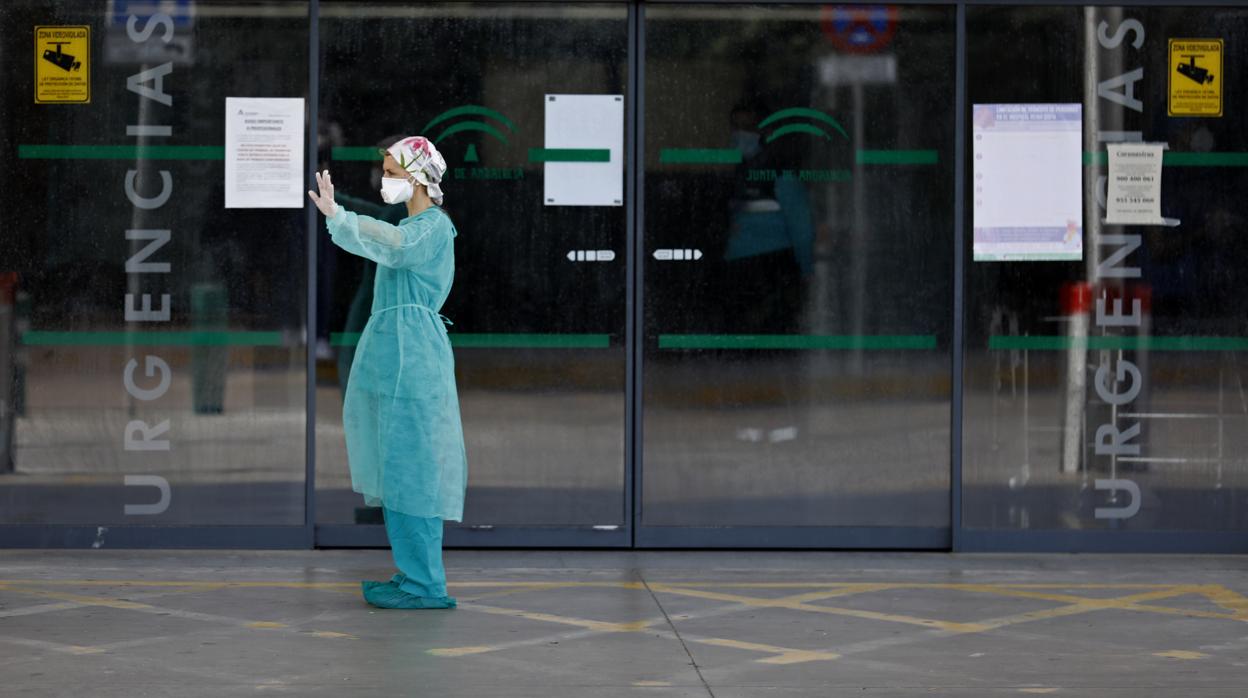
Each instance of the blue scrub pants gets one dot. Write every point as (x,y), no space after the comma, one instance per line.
(416,544)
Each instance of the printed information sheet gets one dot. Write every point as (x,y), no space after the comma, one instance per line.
(264,144)
(1134,196)
(1028,182)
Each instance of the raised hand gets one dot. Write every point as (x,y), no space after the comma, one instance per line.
(325,201)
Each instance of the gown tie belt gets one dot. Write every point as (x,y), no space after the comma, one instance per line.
(445,320)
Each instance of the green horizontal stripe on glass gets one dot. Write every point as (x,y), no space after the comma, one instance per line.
(355,153)
(471,340)
(569,155)
(120,152)
(897,157)
(1100,158)
(787,341)
(1173,159)
(732,156)
(1061,343)
(344,339)
(1205,159)
(699,156)
(187,338)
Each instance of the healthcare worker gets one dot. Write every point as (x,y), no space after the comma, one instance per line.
(405,442)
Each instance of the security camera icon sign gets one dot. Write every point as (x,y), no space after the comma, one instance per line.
(62,60)
(1193,72)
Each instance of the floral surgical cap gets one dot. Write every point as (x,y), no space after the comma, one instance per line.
(421,159)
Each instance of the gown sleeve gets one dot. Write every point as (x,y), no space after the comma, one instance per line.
(399,247)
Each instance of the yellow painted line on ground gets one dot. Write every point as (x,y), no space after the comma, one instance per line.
(1160,592)
(600,626)
(461,651)
(80,598)
(784,655)
(526,588)
(801,605)
(761,602)
(1088,605)
(1029,616)
(905,585)
(604,627)
(651,684)
(558,585)
(950,626)
(210,586)
(1232,601)
(86,600)
(37,609)
(51,646)
(1180,654)
(329,634)
(1038,690)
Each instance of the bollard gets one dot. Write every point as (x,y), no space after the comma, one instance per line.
(22,355)
(8,368)
(209,317)
(1076,307)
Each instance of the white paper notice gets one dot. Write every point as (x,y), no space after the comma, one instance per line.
(1134,196)
(264,144)
(1028,183)
(584,151)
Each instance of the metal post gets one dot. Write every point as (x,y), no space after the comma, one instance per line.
(959,295)
(313,106)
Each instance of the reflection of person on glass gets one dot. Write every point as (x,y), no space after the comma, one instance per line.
(771,239)
(405,442)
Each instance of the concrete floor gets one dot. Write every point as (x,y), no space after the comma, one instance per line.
(554,624)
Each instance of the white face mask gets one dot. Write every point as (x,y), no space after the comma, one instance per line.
(395,190)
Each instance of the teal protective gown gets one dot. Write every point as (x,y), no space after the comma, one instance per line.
(405,441)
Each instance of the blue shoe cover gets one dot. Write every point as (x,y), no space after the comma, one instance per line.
(389,595)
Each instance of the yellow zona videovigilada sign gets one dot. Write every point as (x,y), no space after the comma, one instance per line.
(62,65)
(1195,78)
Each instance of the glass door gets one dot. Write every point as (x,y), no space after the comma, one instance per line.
(797,282)
(538,304)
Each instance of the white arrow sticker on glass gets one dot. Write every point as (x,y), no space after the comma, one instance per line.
(681,255)
(591,255)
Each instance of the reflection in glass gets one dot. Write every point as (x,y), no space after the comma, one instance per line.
(1108,393)
(538,335)
(160,362)
(797,283)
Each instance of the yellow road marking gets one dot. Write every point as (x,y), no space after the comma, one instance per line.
(649,684)
(1230,600)
(461,651)
(81,598)
(1235,604)
(784,655)
(51,646)
(600,626)
(1038,690)
(799,603)
(332,635)
(788,655)
(1080,605)
(1180,654)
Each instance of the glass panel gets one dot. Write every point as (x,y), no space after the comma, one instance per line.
(192,409)
(1130,417)
(538,336)
(799,212)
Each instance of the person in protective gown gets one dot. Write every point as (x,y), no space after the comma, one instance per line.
(405,441)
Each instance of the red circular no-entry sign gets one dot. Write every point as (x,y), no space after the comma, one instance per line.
(860,28)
